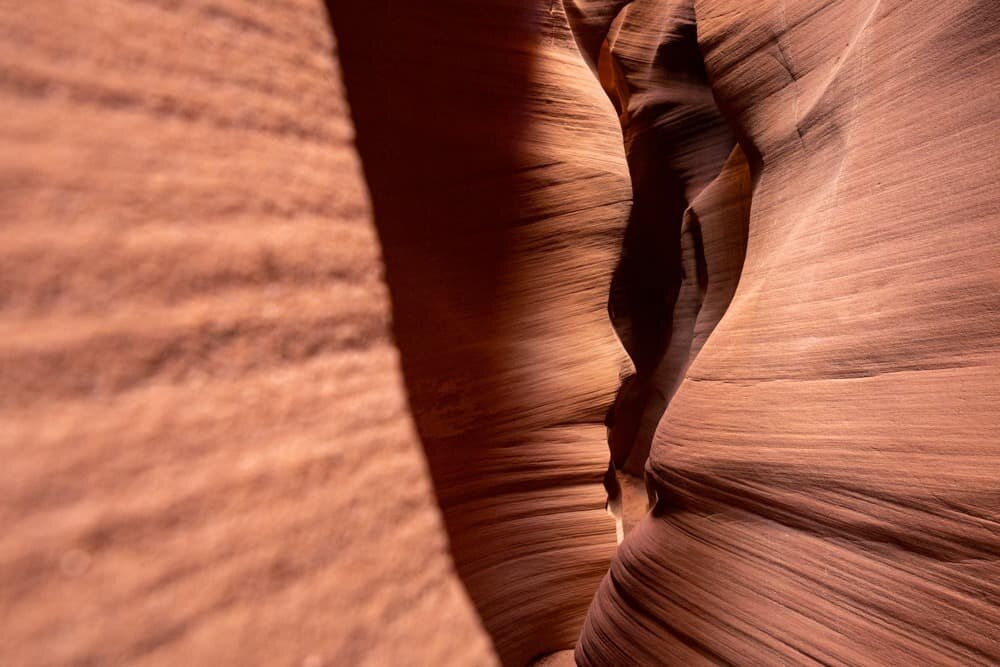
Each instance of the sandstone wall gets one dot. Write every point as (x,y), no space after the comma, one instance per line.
(312,315)
(209,457)
(825,474)
(500,196)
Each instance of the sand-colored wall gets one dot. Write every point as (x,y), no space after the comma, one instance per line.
(208,453)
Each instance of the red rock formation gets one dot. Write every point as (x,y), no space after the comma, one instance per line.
(211,455)
(213,460)
(208,453)
(686,236)
(826,472)
(500,195)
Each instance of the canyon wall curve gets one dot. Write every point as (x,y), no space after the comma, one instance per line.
(607,332)
(824,477)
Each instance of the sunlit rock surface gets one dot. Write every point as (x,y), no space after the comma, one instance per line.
(208,455)
(319,323)
(826,471)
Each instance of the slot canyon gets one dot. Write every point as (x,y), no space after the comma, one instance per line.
(500,332)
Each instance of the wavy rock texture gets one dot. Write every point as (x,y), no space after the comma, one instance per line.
(500,196)
(685,240)
(826,471)
(209,458)
(212,457)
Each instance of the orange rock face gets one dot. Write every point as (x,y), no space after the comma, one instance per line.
(208,452)
(319,321)
(826,472)
(212,456)
(500,197)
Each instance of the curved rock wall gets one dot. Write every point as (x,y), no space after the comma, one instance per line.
(685,240)
(209,319)
(212,456)
(826,473)
(500,196)
(208,453)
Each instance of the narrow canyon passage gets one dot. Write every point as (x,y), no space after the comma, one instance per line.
(481,332)
(773,372)
(825,474)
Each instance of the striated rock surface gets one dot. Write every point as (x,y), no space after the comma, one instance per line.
(500,197)
(684,244)
(212,457)
(209,319)
(826,473)
(208,455)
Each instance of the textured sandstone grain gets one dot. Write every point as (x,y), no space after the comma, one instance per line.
(206,329)
(827,469)
(500,196)
(209,458)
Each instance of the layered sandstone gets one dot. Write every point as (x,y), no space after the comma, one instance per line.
(208,453)
(500,197)
(213,458)
(319,323)
(826,471)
